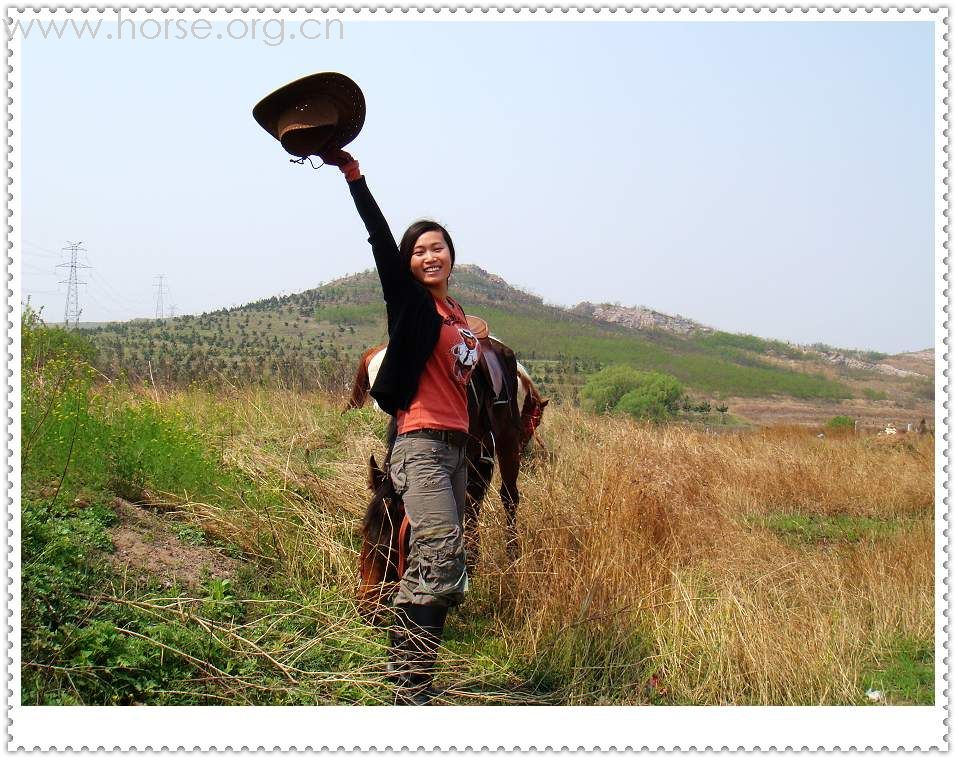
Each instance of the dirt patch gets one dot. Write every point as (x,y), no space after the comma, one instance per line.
(148,547)
(872,415)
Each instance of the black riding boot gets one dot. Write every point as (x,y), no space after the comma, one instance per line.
(398,640)
(415,639)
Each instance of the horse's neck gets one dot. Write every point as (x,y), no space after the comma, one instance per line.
(525,386)
(374,364)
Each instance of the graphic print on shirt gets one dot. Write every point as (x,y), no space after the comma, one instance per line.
(466,355)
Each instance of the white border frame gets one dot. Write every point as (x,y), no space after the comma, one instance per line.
(476,728)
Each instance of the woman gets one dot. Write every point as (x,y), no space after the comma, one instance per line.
(422,382)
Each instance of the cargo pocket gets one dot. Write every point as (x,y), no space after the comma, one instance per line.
(443,568)
(428,469)
(396,470)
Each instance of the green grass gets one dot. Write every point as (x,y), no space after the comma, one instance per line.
(366,313)
(811,529)
(91,637)
(88,637)
(750,343)
(905,673)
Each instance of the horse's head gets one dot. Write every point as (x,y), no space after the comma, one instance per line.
(531,413)
(378,560)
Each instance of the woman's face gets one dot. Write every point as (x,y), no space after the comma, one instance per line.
(431,259)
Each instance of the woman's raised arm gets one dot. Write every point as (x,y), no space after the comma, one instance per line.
(395,279)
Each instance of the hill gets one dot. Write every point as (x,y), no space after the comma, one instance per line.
(313,338)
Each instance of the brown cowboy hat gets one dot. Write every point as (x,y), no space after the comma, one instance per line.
(316,113)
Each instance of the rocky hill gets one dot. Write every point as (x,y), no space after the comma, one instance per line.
(639,317)
(841,359)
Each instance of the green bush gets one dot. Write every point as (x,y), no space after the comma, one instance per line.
(643,395)
(841,424)
(657,398)
(604,390)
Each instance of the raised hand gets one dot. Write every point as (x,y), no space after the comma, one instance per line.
(347,165)
(351,170)
(336,157)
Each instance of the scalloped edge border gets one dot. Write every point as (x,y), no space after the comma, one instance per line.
(939,14)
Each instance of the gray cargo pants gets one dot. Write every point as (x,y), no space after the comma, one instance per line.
(430,477)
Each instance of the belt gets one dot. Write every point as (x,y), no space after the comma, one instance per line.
(452,437)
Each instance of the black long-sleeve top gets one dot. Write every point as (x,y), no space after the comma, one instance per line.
(413,320)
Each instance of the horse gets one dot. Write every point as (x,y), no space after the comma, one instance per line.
(497,429)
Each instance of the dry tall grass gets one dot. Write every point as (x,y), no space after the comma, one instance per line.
(640,535)
(645,573)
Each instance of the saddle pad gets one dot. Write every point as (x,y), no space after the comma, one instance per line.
(496,373)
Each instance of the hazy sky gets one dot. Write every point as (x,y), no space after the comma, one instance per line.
(774,178)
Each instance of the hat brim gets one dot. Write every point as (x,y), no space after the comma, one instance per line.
(348,99)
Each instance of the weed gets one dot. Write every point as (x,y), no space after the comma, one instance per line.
(189,533)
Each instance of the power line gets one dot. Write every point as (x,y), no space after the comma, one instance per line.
(112,292)
(37,269)
(47,251)
(104,307)
(72,310)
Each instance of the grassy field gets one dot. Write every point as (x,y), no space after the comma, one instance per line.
(658,564)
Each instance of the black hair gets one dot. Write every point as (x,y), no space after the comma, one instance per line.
(416,230)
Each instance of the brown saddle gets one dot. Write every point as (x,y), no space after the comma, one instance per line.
(495,360)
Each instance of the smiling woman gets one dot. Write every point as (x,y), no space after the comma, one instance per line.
(432,254)
(422,382)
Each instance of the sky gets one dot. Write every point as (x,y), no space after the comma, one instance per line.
(773,178)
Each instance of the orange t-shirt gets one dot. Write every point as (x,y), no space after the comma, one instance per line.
(441,402)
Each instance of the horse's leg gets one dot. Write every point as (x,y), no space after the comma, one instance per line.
(479,477)
(509,460)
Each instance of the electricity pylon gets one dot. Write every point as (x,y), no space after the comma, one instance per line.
(72,310)
(160,289)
